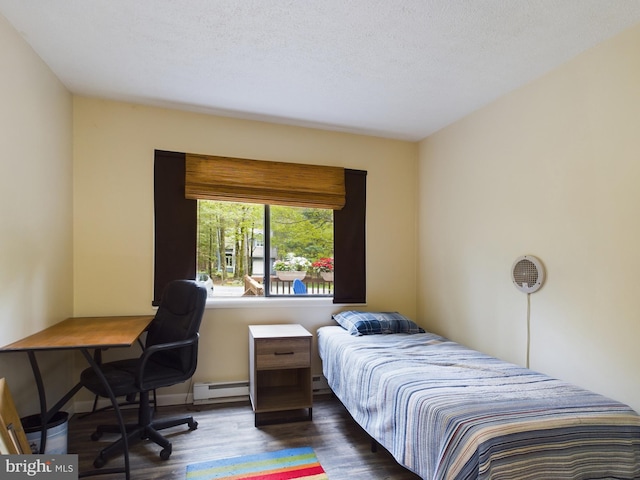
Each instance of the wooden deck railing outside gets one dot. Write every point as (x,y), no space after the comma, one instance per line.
(315,286)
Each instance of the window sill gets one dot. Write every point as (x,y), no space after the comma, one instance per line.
(269,302)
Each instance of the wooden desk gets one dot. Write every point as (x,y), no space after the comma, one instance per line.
(82,333)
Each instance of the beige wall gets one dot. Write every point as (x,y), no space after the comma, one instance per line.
(35,212)
(113,216)
(551,170)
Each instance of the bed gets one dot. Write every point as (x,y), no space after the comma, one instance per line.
(445,411)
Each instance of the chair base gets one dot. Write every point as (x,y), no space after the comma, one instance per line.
(137,433)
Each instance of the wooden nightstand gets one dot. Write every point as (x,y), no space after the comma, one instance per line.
(279,369)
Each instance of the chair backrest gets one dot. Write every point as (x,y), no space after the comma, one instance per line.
(178,318)
(299,287)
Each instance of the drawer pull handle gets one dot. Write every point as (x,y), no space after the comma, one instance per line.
(283,353)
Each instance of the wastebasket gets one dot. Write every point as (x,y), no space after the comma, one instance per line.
(56,443)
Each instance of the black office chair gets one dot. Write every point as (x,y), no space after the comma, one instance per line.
(130,399)
(169,357)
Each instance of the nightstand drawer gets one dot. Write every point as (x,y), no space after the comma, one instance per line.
(283,353)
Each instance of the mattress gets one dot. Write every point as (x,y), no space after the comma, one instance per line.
(445,411)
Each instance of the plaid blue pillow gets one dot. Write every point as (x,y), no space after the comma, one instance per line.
(375,323)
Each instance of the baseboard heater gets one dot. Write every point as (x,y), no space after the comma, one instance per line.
(220,392)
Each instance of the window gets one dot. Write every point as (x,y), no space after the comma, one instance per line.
(176,224)
(231,249)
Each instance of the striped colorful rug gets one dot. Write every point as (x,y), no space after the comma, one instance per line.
(293,463)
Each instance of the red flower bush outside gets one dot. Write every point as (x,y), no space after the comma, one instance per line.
(323,265)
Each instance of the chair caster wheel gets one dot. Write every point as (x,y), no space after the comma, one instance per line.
(99,462)
(193,425)
(165,453)
(95,436)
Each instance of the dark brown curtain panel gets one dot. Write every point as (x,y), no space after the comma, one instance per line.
(349,238)
(175,223)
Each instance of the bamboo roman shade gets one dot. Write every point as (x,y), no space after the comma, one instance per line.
(256,181)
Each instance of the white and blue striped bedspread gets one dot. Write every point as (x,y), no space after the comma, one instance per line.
(447,412)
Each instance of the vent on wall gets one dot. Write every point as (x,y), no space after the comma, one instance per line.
(319,385)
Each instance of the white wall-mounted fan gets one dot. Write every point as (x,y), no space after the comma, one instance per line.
(527,274)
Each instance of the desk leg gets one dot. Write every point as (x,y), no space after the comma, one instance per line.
(45,415)
(42,397)
(116,407)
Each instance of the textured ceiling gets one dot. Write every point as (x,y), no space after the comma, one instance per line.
(394,68)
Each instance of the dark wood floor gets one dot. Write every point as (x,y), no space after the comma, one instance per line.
(343,449)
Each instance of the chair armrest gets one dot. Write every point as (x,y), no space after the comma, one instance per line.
(161,347)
